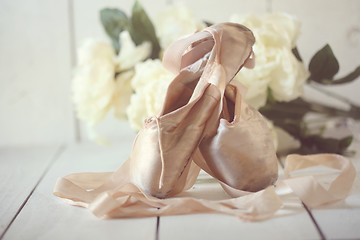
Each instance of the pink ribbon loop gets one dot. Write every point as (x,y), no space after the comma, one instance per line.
(204,123)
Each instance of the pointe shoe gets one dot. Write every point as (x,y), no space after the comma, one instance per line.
(161,159)
(241,155)
(204,120)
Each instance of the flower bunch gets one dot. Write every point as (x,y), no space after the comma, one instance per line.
(129,78)
(277,68)
(102,79)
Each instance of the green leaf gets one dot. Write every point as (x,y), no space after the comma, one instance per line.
(296,54)
(348,78)
(294,109)
(355,112)
(270,96)
(345,143)
(323,65)
(318,144)
(290,117)
(296,128)
(208,23)
(142,29)
(114,21)
(287,115)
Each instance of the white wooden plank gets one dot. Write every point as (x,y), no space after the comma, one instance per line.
(48,217)
(35,73)
(214,226)
(341,220)
(20,170)
(220,11)
(291,222)
(90,17)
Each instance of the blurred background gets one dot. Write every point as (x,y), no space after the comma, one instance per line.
(38,41)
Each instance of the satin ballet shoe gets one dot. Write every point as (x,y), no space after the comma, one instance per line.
(235,169)
(241,155)
(204,123)
(206,62)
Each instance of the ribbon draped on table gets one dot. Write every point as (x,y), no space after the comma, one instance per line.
(205,123)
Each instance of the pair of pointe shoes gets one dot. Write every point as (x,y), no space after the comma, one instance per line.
(204,122)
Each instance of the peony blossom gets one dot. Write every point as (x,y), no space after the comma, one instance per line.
(128,57)
(151,78)
(93,83)
(130,54)
(150,84)
(174,23)
(102,80)
(276,66)
(122,93)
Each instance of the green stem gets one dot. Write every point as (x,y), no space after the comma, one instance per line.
(334,95)
(354,112)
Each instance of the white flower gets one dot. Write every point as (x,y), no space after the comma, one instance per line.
(288,77)
(130,54)
(93,83)
(257,79)
(174,23)
(123,93)
(150,84)
(95,88)
(92,50)
(276,66)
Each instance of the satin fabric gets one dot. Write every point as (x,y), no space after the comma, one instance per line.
(204,123)
(199,122)
(114,200)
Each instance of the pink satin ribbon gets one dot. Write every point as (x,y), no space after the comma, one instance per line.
(205,123)
(128,201)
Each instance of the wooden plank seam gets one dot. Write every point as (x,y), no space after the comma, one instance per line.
(54,158)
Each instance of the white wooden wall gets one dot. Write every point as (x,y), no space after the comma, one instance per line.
(38,38)
(35,72)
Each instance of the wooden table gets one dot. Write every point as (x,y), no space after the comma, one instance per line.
(28,210)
